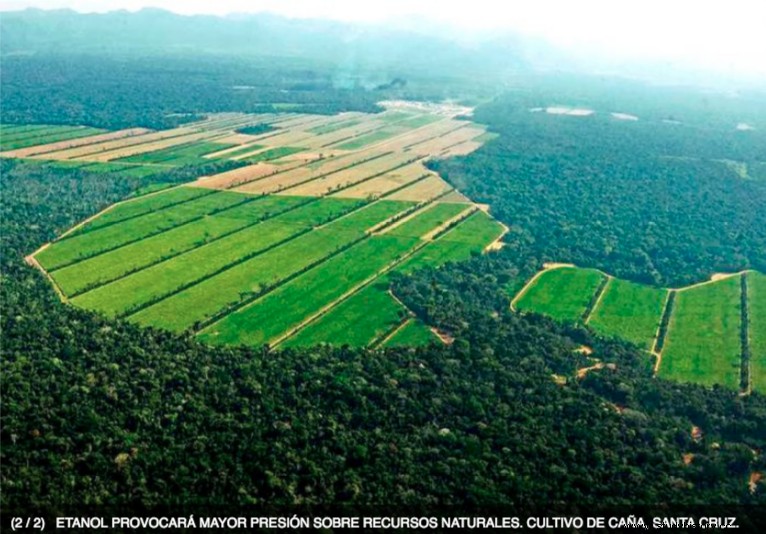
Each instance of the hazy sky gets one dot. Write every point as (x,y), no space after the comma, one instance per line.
(729,34)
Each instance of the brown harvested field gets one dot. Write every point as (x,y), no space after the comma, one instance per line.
(143,148)
(238,139)
(419,135)
(456,196)
(118,143)
(347,134)
(230,179)
(431,187)
(346,177)
(287,138)
(460,149)
(437,144)
(301,174)
(388,182)
(72,143)
(272,184)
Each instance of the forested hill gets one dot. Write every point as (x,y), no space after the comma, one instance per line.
(668,191)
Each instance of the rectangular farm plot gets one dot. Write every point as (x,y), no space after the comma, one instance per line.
(413,334)
(44,135)
(160,280)
(178,155)
(285,308)
(385,183)
(47,148)
(145,205)
(245,278)
(356,322)
(478,230)
(123,260)
(426,220)
(756,304)
(422,190)
(349,176)
(703,343)
(563,293)
(629,311)
(87,244)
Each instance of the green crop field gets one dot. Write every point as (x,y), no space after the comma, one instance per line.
(273,153)
(629,311)
(11,139)
(145,205)
(118,262)
(412,334)
(563,293)
(477,229)
(756,303)
(239,152)
(287,306)
(427,220)
(162,279)
(188,154)
(86,244)
(204,299)
(351,321)
(703,341)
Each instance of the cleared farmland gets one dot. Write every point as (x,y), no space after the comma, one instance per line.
(563,293)
(629,311)
(295,248)
(756,303)
(87,244)
(351,322)
(413,334)
(286,307)
(703,340)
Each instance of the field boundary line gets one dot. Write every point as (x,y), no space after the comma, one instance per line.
(361,181)
(242,304)
(32,261)
(391,266)
(382,127)
(745,380)
(664,330)
(159,232)
(64,237)
(274,342)
(387,336)
(447,225)
(656,337)
(193,248)
(497,243)
(234,187)
(712,280)
(546,267)
(599,295)
(422,208)
(238,261)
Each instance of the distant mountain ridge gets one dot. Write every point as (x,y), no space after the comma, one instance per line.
(154,31)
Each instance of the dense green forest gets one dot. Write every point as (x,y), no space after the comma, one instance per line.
(98,411)
(667,199)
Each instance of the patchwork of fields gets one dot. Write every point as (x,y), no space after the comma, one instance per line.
(293,249)
(708,333)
